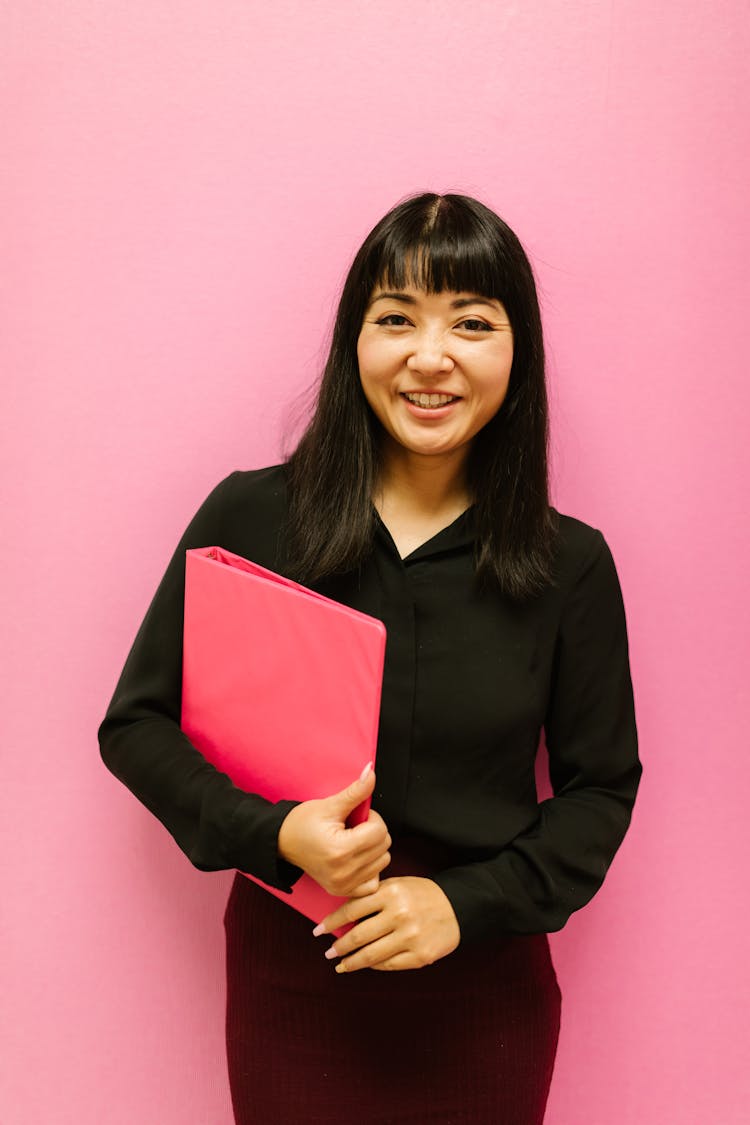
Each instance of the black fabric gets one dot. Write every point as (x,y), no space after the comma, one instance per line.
(470,1039)
(470,682)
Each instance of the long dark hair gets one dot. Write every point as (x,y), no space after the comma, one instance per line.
(437,243)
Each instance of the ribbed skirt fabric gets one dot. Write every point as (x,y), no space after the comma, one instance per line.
(471,1038)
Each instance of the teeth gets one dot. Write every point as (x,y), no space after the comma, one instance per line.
(429,400)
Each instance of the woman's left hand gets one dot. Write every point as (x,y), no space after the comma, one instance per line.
(406,924)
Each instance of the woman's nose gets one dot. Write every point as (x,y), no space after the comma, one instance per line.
(430,355)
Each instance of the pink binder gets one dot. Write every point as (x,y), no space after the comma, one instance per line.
(281,688)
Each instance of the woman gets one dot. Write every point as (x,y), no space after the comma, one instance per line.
(419,495)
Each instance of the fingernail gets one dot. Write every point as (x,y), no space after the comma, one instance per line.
(330,953)
(341,967)
(365,771)
(319,930)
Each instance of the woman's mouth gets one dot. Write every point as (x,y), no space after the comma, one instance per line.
(428,401)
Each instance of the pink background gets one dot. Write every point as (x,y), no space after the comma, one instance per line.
(183,185)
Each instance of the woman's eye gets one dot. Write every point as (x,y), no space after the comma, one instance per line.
(393,320)
(472,325)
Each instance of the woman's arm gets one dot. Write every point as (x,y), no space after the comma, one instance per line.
(558,864)
(216,824)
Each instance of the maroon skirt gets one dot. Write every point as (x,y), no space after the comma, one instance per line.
(471,1038)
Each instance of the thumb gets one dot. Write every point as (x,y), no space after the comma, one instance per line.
(347,800)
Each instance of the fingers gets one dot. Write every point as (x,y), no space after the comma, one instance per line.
(365,945)
(370,956)
(314,836)
(364,933)
(348,872)
(361,854)
(343,803)
(352,911)
(372,833)
(375,818)
(394,962)
(370,945)
(408,923)
(364,889)
(370,886)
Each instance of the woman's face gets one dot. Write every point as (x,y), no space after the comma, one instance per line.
(434,367)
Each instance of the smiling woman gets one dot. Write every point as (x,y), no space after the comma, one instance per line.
(418,494)
(440,285)
(432,375)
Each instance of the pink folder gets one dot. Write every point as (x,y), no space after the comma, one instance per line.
(281,688)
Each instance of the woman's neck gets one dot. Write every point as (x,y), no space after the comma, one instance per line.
(417,496)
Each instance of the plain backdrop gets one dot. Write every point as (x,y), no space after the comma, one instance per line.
(182,187)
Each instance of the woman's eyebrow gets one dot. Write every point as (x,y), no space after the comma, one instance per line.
(394,297)
(459,303)
(462,302)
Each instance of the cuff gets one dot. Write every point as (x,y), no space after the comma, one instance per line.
(255,833)
(476,904)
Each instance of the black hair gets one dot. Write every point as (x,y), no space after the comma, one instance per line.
(437,243)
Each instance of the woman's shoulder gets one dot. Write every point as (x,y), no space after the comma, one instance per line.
(266,484)
(252,511)
(579,547)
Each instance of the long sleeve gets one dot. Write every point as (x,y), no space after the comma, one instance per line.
(216,824)
(557,865)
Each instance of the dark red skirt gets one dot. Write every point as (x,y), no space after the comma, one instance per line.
(471,1038)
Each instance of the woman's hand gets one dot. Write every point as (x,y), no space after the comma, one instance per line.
(345,861)
(407,923)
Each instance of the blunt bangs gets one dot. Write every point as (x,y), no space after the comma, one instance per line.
(444,243)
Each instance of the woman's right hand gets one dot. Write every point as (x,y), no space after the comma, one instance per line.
(344,861)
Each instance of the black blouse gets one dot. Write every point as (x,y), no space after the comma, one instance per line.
(471,680)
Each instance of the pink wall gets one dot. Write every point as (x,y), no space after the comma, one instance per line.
(183,186)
